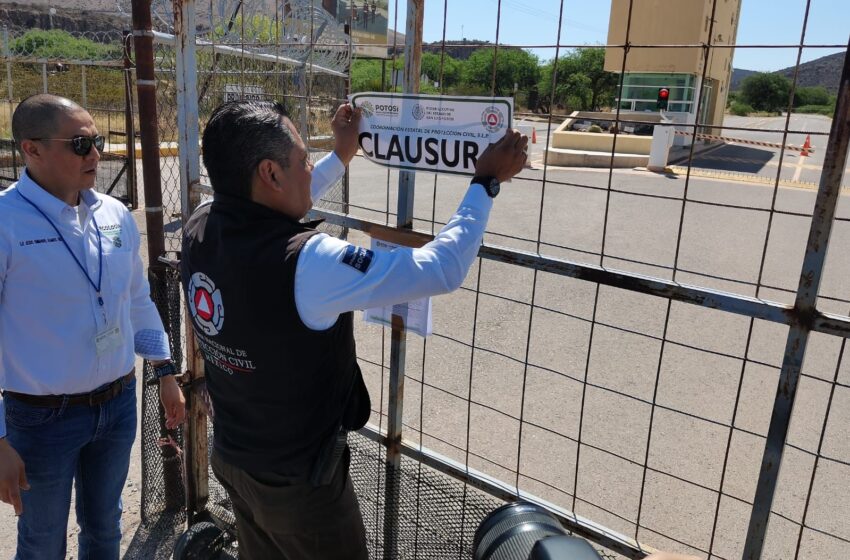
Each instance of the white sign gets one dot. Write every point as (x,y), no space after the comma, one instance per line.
(416,314)
(437,133)
(236,92)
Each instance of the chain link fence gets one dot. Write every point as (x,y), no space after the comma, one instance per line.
(86,67)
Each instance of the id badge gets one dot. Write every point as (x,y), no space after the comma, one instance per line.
(108,340)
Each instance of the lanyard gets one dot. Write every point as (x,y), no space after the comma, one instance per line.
(76,260)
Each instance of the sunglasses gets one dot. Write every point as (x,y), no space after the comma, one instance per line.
(81,145)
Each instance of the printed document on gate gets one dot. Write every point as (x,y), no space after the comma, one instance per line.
(437,133)
(416,314)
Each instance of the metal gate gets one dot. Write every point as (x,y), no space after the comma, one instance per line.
(614,355)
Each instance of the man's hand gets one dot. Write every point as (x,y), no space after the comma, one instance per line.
(13,478)
(173,402)
(505,158)
(345,125)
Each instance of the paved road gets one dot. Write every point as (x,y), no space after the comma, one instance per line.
(531,363)
(763,163)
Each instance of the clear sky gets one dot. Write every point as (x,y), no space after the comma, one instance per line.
(535,22)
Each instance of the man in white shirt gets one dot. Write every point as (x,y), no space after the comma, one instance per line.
(271,301)
(74,309)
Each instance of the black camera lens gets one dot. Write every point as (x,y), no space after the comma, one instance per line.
(526,531)
(511,531)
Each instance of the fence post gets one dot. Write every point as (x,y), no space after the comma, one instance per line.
(129,124)
(805,310)
(7,52)
(148,125)
(188,144)
(44,77)
(84,86)
(398,345)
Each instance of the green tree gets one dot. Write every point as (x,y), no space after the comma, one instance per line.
(765,91)
(817,95)
(581,82)
(59,44)
(513,66)
(451,69)
(366,75)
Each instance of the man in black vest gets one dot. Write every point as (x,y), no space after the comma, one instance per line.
(271,301)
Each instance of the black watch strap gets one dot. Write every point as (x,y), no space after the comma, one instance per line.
(490,184)
(163,370)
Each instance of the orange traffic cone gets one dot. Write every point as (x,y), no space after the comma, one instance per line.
(807,145)
(534,136)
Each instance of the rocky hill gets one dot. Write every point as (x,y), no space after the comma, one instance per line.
(824,71)
(30,15)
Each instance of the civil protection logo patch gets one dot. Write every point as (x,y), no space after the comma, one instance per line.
(205,304)
(492,119)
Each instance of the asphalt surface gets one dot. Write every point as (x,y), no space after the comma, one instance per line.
(505,380)
(765,163)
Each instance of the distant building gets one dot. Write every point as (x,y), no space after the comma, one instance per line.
(681,68)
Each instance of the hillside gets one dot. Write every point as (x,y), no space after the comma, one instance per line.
(824,71)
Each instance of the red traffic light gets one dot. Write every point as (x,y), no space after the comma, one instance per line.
(663,98)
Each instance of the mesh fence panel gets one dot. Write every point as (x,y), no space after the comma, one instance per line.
(602,399)
(163,487)
(86,67)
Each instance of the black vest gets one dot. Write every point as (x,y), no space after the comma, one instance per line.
(278,388)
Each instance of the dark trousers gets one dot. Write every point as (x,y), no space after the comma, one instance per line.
(278,517)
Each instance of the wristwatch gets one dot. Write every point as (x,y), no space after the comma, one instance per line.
(490,184)
(162,370)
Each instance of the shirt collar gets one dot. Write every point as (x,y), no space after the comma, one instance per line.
(48,203)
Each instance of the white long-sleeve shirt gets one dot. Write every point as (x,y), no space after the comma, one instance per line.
(49,310)
(333,276)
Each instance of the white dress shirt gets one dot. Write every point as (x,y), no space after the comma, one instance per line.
(49,311)
(325,285)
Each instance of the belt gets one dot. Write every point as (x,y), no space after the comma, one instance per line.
(92,398)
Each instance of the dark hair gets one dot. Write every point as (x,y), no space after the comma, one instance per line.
(238,136)
(38,116)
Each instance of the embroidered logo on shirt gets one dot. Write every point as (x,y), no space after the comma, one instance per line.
(113,233)
(205,304)
(358,257)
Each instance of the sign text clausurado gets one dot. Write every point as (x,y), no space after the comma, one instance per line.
(437,133)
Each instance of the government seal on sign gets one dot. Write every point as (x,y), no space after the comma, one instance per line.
(492,119)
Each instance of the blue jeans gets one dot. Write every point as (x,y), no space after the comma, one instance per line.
(89,445)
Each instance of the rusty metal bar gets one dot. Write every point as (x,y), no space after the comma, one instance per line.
(827,323)
(398,344)
(197,440)
(146,91)
(188,143)
(802,315)
(129,123)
